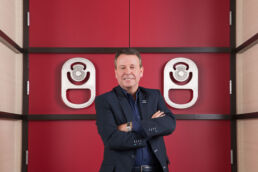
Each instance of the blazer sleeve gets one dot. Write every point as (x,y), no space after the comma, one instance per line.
(107,128)
(161,126)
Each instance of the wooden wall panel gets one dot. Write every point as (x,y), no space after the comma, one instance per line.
(247,81)
(247,84)
(11,19)
(247,142)
(246,24)
(11,80)
(10,145)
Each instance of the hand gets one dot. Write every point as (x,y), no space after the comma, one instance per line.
(158,114)
(122,127)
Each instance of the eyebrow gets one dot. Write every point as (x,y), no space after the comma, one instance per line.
(129,65)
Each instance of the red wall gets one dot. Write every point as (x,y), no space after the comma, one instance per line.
(196,146)
(80,23)
(45,81)
(179,23)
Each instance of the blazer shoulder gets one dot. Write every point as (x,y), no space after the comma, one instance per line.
(106,96)
(149,91)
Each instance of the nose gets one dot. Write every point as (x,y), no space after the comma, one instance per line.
(127,70)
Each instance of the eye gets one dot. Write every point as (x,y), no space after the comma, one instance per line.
(131,67)
(122,67)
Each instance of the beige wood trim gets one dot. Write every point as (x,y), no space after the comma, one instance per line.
(246,20)
(11,80)
(10,145)
(11,19)
(247,145)
(247,81)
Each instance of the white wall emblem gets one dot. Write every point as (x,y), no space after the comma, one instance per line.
(185,76)
(74,75)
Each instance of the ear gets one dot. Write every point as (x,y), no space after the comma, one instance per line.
(115,73)
(142,69)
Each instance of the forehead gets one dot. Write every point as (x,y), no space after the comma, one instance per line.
(125,59)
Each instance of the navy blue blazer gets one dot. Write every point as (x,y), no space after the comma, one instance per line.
(113,109)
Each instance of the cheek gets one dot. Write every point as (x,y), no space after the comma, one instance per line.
(118,75)
(139,74)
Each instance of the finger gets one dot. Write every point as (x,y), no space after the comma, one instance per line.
(156,115)
(160,113)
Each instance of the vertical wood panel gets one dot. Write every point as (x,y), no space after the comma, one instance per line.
(247,142)
(11,19)
(10,145)
(246,23)
(10,80)
(247,84)
(247,81)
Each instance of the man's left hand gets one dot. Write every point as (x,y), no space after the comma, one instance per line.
(122,127)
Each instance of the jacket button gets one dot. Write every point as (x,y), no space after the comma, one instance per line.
(132,156)
(156,150)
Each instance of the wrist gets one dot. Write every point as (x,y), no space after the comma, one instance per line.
(129,126)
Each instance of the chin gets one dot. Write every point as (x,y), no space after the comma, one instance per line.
(127,87)
(128,84)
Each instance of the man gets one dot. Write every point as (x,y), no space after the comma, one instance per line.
(132,121)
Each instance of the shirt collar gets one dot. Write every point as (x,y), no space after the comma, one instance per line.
(127,94)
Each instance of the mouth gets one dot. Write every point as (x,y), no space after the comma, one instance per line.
(127,79)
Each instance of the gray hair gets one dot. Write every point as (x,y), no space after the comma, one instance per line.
(128,51)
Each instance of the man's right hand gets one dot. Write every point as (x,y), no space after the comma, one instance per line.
(158,114)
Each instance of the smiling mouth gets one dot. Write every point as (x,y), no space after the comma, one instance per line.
(128,78)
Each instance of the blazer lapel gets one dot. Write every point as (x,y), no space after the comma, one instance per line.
(126,108)
(124,104)
(143,103)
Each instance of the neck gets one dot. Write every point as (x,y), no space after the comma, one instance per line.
(131,91)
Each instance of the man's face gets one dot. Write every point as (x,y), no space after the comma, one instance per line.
(128,72)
